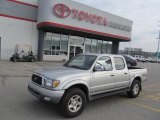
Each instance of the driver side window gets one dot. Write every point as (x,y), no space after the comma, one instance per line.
(103,64)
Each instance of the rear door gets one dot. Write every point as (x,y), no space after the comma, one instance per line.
(121,73)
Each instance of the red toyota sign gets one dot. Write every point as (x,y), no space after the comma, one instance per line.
(62,10)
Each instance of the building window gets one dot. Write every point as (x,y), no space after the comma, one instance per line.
(47,44)
(76,41)
(104,47)
(88,43)
(94,46)
(64,44)
(99,47)
(55,44)
(109,47)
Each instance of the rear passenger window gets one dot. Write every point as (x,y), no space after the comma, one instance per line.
(119,63)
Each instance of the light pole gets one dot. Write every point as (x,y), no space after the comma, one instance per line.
(158,46)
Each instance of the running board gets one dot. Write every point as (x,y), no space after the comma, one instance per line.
(101,95)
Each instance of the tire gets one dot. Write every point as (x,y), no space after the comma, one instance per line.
(32,60)
(135,89)
(15,60)
(70,98)
(11,59)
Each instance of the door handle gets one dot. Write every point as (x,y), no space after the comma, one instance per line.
(125,73)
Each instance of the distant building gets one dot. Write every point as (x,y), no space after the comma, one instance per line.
(137,51)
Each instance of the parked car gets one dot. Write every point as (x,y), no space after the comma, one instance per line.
(84,78)
(131,61)
(139,58)
(145,60)
(152,59)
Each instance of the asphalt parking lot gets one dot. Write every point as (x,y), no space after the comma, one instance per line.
(16,103)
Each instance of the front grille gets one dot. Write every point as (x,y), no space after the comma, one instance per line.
(37,79)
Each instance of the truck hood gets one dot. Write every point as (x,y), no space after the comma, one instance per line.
(61,73)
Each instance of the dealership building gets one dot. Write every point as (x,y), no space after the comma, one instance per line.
(57,30)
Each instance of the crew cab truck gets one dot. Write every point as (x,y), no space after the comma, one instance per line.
(85,78)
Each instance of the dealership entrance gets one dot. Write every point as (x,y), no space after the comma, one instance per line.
(75,50)
(60,47)
(76,46)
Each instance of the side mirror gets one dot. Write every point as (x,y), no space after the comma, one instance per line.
(98,67)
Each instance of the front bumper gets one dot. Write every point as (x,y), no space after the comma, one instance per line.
(45,94)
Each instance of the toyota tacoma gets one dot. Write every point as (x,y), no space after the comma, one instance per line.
(84,78)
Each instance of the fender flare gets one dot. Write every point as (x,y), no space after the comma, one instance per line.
(78,82)
(136,76)
(75,82)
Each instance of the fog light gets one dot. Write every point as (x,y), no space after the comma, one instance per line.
(47,98)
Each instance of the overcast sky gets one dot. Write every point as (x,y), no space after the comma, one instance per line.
(145,15)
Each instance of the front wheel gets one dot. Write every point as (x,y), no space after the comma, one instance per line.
(135,89)
(15,59)
(73,102)
(11,59)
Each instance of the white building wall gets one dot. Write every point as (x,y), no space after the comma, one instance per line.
(13,32)
(34,2)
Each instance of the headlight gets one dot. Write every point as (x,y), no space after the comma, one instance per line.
(48,83)
(51,83)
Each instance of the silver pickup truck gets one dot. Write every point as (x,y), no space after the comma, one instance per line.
(85,78)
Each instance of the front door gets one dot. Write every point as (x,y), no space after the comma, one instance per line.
(75,50)
(103,78)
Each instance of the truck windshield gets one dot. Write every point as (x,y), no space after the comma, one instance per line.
(83,62)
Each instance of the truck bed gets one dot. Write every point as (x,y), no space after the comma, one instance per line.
(131,68)
(137,71)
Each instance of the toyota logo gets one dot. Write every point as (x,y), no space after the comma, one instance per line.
(61,10)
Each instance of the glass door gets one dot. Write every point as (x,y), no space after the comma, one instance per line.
(75,50)
(76,46)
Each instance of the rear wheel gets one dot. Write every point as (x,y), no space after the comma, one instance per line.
(73,102)
(32,60)
(135,89)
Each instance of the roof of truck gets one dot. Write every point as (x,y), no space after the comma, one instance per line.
(100,55)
